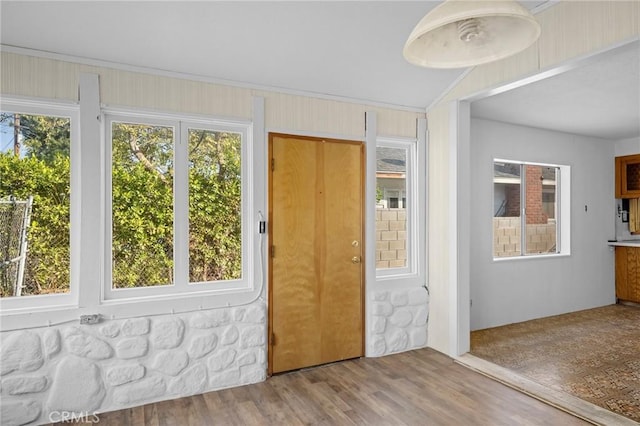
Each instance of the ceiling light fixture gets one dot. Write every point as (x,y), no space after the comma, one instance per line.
(464,33)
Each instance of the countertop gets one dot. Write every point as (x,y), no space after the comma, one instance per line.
(624,243)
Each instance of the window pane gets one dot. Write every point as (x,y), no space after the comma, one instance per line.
(506,207)
(540,209)
(142,205)
(391,215)
(215,206)
(34,204)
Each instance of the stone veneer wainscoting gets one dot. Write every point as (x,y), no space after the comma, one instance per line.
(398,321)
(117,364)
(123,363)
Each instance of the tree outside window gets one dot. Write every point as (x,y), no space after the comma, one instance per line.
(34,165)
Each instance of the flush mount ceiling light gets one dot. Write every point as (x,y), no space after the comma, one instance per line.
(464,33)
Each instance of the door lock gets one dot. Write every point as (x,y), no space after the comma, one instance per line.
(355,243)
(355,259)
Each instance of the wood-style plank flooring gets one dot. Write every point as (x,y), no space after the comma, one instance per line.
(420,387)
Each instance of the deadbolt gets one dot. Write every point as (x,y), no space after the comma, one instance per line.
(355,243)
(355,259)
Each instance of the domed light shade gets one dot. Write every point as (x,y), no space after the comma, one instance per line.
(464,33)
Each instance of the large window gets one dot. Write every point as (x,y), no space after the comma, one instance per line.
(103,205)
(35,200)
(526,206)
(395,181)
(177,204)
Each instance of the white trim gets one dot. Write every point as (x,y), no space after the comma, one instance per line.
(422,202)
(28,103)
(91,184)
(459,226)
(454,265)
(150,114)
(544,6)
(555,69)
(371,133)
(181,207)
(259,190)
(311,134)
(199,78)
(528,163)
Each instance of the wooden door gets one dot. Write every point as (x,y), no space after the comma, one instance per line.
(315,210)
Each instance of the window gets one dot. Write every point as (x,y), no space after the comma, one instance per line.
(141,204)
(527,213)
(36,143)
(161,219)
(215,201)
(394,217)
(178,210)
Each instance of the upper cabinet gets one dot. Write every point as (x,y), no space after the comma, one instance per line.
(628,176)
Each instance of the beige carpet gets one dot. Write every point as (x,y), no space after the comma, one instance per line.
(593,354)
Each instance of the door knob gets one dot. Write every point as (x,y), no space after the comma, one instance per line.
(355,259)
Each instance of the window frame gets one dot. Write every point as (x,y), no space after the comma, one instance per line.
(62,109)
(413,201)
(181,124)
(563,211)
(88,211)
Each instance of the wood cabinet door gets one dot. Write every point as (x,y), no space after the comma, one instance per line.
(627,177)
(628,274)
(316,215)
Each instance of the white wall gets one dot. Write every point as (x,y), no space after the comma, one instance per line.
(628,146)
(509,291)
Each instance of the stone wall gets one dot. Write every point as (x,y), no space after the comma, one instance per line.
(398,321)
(116,364)
(391,238)
(51,372)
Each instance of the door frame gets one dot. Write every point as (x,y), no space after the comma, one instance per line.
(364,257)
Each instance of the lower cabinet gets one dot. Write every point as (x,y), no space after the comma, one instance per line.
(628,274)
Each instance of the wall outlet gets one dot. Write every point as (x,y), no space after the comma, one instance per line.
(90,319)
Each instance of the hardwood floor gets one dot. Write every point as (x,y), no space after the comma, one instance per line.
(421,387)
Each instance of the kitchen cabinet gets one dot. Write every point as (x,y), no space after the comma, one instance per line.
(628,176)
(628,274)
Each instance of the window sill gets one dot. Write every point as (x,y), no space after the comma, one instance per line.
(531,257)
(19,319)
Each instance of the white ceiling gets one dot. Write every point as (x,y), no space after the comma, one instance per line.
(600,99)
(349,49)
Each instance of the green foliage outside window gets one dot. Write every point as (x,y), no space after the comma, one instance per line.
(40,166)
(142,203)
(214,206)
